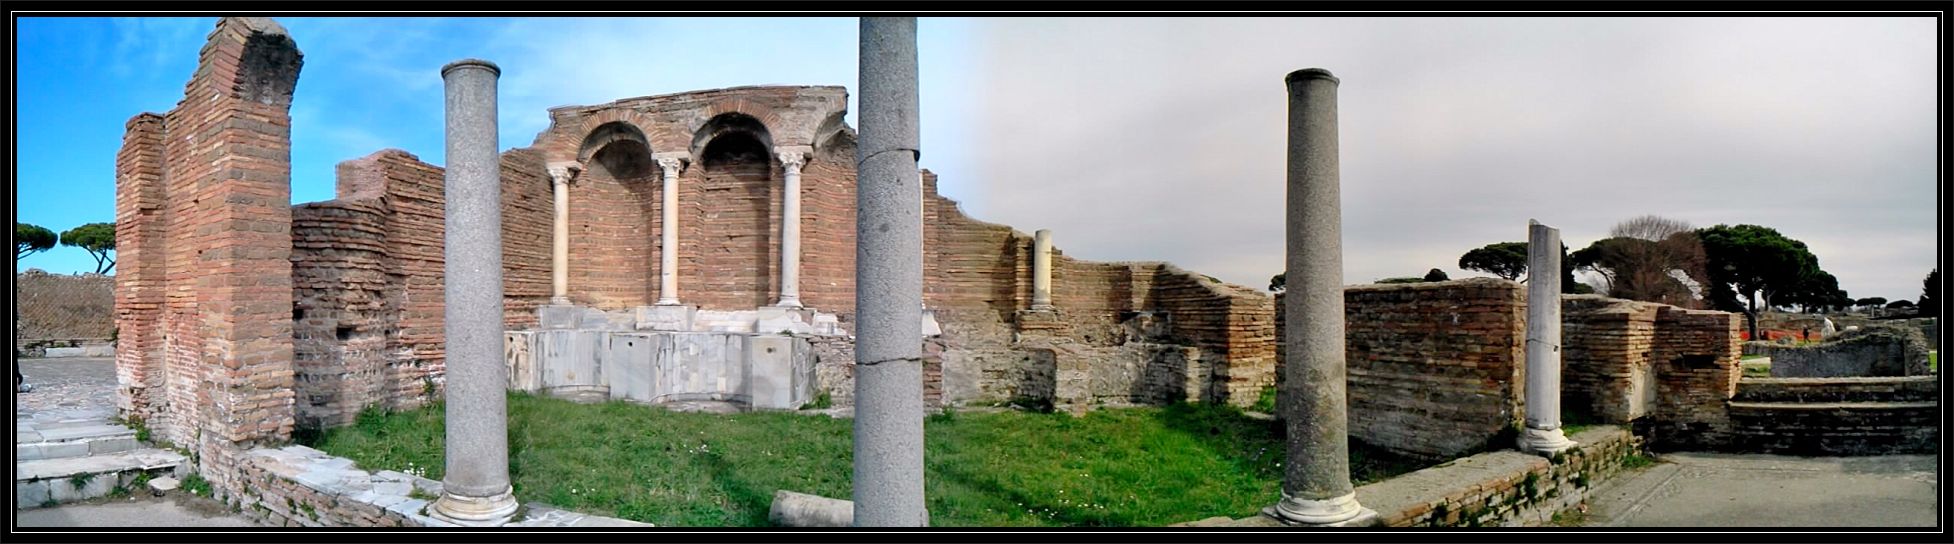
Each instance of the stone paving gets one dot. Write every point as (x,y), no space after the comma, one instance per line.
(67,389)
(177,511)
(1727,490)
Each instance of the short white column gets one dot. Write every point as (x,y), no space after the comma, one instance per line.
(1543,433)
(790,229)
(1041,270)
(560,175)
(668,245)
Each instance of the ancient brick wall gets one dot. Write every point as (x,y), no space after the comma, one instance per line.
(1435,369)
(615,206)
(1605,348)
(528,217)
(1695,359)
(368,290)
(203,197)
(141,230)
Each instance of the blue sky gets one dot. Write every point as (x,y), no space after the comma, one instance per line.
(372,84)
(1160,139)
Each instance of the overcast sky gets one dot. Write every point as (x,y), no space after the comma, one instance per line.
(1162,139)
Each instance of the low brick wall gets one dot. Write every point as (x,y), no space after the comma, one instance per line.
(1502,488)
(297,486)
(1495,489)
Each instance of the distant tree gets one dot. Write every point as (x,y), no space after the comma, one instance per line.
(1751,260)
(1406,279)
(1508,260)
(1276,283)
(1436,275)
(30,239)
(98,239)
(1930,295)
(1870,302)
(1640,258)
(1899,304)
(1818,292)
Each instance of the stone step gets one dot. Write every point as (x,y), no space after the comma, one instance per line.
(70,479)
(76,448)
(58,440)
(1832,406)
(1832,390)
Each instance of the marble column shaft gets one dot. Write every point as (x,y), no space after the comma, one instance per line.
(560,236)
(475,486)
(790,229)
(668,233)
(888,453)
(1041,270)
(1543,433)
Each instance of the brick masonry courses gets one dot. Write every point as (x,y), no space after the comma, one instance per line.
(1437,369)
(206,284)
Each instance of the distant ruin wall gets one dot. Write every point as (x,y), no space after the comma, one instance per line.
(63,307)
(1876,350)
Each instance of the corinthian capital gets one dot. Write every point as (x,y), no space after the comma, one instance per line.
(792,159)
(562,173)
(671,166)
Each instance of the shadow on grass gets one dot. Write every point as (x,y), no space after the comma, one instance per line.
(1258,446)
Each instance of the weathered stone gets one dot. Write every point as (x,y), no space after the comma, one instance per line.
(888,457)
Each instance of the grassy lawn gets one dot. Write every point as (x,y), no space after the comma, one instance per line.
(1125,467)
(1933,360)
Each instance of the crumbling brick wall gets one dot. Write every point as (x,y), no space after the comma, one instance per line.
(204,216)
(1202,339)
(1695,358)
(368,290)
(1606,345)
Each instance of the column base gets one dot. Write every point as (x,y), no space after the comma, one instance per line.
(788,302)
(1544,441)
(492,511)
(1338,512)
(559,301)
(667,302)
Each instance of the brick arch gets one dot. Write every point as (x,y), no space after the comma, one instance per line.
(565,146)
(765,114)
(710,130)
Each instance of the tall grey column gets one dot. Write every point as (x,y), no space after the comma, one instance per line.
(888,283)
(668,234)
(560,234)
(1316,485)
(1543,433)
(475,488)
(790,229)
(1041,270)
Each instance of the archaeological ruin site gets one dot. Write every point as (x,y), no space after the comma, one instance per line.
(745,247)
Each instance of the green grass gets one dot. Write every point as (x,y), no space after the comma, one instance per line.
(1266,402)
(1933,360)
(1752,356)
(1118,467)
